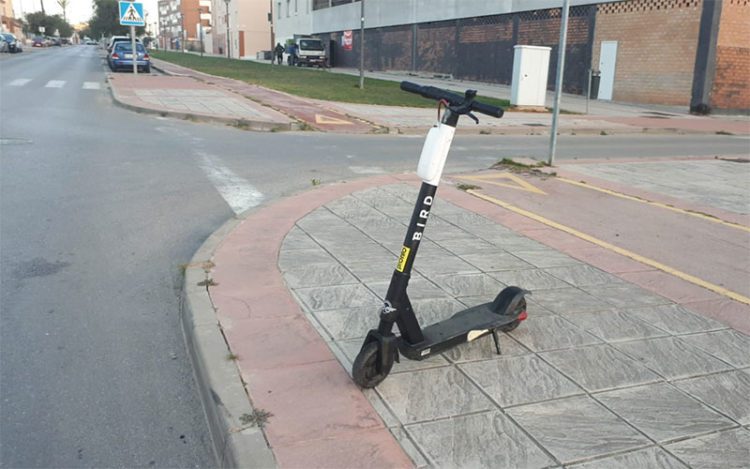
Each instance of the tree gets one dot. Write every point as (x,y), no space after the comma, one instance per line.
(51,23)
(64,5)
(106,20)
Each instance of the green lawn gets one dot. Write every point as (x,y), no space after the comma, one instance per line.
(309,83)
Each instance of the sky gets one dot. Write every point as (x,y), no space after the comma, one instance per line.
(78,10)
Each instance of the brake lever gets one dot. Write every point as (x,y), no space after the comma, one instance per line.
(473,117)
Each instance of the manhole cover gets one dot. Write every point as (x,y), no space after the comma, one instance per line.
(14,141)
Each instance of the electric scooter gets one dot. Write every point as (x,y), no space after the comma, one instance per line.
(381,346)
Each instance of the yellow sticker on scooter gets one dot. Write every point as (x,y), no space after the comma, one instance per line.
(403,258)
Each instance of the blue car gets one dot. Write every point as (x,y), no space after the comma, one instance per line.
(121,57)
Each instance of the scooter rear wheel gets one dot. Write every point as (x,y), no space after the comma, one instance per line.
(512,325)
(365,369)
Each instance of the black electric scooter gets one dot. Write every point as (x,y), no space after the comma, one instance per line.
(381,347)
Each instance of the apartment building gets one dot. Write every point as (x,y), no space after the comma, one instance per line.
(185,24)
(242,28)
(10,24)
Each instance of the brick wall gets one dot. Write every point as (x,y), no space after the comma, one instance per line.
(656,50)
(731,86)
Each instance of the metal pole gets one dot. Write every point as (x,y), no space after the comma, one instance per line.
(362,45)
(229,55)
(200,28)
(182,32)
(133,51)
(559,81)
(588,91)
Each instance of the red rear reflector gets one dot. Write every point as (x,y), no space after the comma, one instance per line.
(523,316)
(115,56)
(146,57)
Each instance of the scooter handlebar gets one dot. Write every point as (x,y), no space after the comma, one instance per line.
(454,99)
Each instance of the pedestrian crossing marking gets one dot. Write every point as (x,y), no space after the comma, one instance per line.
(55,84)
(321,119)
(517,182)
(19,82)
(91,85)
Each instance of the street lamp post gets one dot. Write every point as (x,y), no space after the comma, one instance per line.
(200,28)
(182,32)
(362,46)
(229,55)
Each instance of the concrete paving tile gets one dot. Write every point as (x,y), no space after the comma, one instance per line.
(337,297)
(443,232)
(529,279)
(440,265)
(648,458)
(484,349)
(600,367)
(431,310)
(419,289)
(371,449)
(674,288)
(462,218)
(318,275)
(732,313)
(300,257)
(723,450)
(519,380)
(298,239)
(496,261)
(512,242)
(569,301)
(581,275)
(576,428)
(469,285)
(461,247)
(615,326)
(485,440)
(542,333)
(731,346)
(671,357)
(409,447)
(348,323)
(625,295)
(729,393)
(675,319)
(544,258)
(431,394)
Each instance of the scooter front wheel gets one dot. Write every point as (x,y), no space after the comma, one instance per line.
(365,371)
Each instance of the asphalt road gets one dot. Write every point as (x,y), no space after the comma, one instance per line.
(99,207)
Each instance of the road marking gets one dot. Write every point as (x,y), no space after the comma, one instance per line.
(623,252)
(702,216)
(520,184)
(91,85)
(321,119)
(236,190)
(19,82)
(55,84)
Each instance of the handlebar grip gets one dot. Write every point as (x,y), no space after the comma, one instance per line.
(492,111)
(454,99)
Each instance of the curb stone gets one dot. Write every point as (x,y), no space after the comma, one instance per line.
(222,393)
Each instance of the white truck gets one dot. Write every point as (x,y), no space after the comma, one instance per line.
(306,50)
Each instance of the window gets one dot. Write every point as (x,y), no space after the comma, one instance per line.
(295,6)
(288,7)
(278,10)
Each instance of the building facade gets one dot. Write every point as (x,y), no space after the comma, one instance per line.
(247,25)
(185,24)
(679,52)
(8,21)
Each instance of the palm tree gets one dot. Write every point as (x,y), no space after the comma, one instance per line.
(64,5)
(42,2)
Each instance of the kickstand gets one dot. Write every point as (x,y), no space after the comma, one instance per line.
(497,341)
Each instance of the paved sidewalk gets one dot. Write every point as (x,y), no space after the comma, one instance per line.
(186,98)
(604,373)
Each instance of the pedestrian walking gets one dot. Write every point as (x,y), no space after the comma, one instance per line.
(279,53)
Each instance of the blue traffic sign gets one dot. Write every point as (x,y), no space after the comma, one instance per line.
(131,14)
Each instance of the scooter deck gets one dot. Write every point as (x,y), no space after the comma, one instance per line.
(476,321)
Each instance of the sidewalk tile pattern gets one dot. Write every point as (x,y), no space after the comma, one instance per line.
(602,374)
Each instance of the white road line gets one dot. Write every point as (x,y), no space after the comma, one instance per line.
(91,85)
(55,84)
(236,190)
(19,82)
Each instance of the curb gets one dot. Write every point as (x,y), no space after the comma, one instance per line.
(260,126)
(222,393)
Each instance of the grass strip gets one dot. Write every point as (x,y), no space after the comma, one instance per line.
(308,83)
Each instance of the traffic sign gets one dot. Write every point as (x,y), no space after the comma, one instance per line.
(131,14)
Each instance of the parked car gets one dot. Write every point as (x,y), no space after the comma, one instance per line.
(115,39)
(14,45)
(3,45)
(121,57)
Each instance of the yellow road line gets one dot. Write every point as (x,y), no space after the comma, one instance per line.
(624,252)
(520,183)
(656,204)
